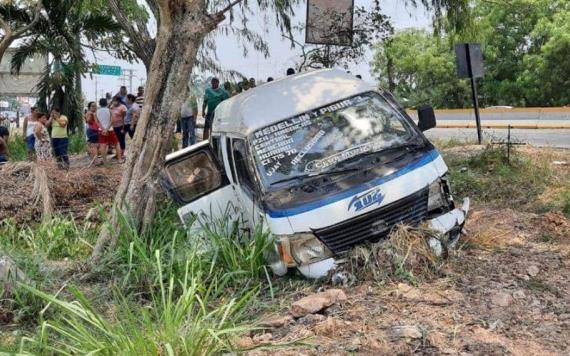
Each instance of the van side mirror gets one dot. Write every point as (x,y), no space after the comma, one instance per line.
(426,117)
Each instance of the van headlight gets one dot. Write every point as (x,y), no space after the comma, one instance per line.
(436,198)
(305,248)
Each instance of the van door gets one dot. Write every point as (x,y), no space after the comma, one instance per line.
(247,191)
(197,181)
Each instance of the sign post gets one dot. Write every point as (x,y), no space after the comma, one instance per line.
(469,60)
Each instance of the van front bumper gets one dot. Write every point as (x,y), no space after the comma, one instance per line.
(448,226)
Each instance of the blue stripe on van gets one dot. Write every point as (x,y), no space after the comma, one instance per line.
(422,161)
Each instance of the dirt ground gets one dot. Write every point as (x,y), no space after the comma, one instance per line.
(75,191)
(505,291)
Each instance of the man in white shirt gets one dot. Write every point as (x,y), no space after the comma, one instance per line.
(107,135)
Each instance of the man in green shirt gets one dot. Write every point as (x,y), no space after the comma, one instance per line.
(59,138)
(212,98)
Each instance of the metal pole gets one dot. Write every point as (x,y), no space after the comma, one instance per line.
(476,107)
(509,144)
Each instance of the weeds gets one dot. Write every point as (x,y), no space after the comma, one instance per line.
(56,238)
(192,322)
(490,178)
(17,150)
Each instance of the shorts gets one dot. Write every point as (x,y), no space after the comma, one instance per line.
(31,143)
(109,139)
(92,136)
(208,121)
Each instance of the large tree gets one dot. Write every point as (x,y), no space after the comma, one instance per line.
(183,26)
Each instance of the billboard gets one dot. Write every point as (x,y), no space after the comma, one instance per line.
(25,83)
(329,22)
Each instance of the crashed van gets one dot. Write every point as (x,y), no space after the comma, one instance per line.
(324,161)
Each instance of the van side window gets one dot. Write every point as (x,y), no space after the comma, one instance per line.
(229,152)
(194,176)
(243,173)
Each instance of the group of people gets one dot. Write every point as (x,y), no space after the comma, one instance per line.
(109,123)
(40,144)
(213,96)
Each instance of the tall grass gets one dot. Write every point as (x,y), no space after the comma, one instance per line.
(57,238)
(167,293)
(193,321)
(77,143)
(17,150)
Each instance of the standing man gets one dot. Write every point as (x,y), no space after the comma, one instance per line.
(140,97)
(122,95)
(28,131)
(133,114)
(188,115)
(212,98)
(4,134)
(59,137)
(118,113)
(107,134)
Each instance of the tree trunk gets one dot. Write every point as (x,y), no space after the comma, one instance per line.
(183,26)
(4,44)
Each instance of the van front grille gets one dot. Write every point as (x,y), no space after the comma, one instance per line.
(375,225)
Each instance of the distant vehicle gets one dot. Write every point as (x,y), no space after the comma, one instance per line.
(325,161)
(499,107)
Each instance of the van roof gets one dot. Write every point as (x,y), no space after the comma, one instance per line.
(284,98)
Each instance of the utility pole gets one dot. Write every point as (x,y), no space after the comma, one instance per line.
(130,74)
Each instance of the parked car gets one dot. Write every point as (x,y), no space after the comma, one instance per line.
(325,161)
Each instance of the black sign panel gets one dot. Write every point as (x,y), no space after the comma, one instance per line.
(469,60)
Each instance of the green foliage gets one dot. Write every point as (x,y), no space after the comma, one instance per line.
(77,143)
(420,69)
(56,238)
(525,47)
(17,150)
(169,293)
(488,177)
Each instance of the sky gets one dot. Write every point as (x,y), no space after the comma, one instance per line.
(255,64)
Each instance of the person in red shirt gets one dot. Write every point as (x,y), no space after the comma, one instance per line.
(93,128)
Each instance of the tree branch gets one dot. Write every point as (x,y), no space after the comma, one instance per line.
(26,28)
(227,8)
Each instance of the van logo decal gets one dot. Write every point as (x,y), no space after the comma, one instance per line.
(366,200)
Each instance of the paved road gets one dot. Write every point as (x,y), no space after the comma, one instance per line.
(544,137)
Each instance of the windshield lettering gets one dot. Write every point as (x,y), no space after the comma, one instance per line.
(314,142)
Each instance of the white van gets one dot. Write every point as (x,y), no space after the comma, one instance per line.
(325,161)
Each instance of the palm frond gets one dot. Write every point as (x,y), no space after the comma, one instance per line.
(28,49)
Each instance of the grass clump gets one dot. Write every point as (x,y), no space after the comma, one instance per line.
(56,238)
(17,150)
(489,177)
(167,290)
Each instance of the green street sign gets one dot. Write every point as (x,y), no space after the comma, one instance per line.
(107,70)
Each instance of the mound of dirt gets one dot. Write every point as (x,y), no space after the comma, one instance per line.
(32,191)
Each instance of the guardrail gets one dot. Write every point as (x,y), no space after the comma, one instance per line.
(521,118)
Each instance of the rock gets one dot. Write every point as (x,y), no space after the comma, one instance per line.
(502,299)
(276,321)
(245,342)
(314,303)
(263,338)
(495,325)
(311,319)
(519,294)
(408,332)
(533,270)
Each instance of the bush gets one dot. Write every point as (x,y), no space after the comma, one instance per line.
(17,150)
(77,143)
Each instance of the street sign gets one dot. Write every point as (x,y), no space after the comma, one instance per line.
(107,70)
(330,22)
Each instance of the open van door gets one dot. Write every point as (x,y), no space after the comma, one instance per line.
(197,181)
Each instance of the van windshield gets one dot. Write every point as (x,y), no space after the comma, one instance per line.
(314,142)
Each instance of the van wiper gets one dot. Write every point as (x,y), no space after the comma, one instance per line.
(314,175)
(408,147)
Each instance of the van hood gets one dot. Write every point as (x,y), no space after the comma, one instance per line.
(306,210)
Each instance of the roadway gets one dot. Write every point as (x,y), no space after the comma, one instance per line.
(542,137)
